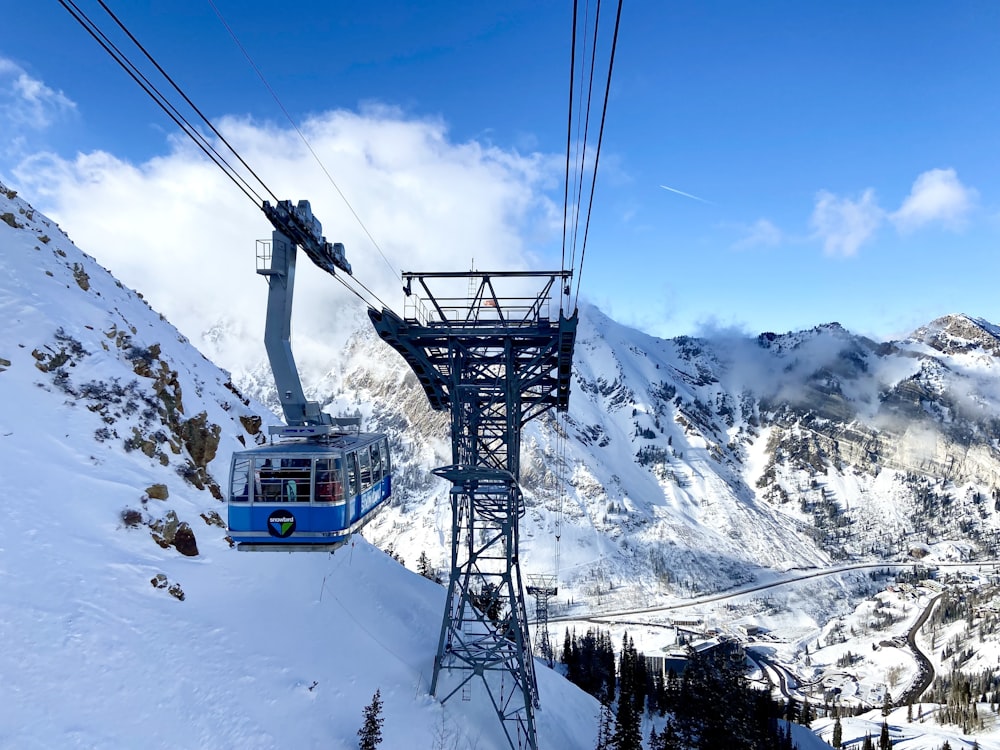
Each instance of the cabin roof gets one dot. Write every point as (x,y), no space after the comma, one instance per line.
(306,447)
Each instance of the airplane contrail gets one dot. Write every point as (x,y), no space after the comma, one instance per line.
(686,195)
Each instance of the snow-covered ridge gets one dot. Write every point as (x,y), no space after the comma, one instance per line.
(127,620)
(692,464)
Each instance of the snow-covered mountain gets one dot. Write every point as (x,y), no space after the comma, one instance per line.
(126,618)
(685,466)
(690,465)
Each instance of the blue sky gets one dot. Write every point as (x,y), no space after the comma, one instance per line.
(842,155)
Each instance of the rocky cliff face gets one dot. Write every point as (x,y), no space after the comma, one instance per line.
(87,358)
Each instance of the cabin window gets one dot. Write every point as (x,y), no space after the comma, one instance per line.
(352,474)
(282,480)
(364,456)
(386,464)
(376,463)
(329,480)
(240,481)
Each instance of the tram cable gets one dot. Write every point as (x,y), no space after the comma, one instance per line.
(166,105)
(308,145)
(580,111)
(597,152)
(182,121)
(569,139)
(572,237)
(582,142)
(358,294)
(184,96)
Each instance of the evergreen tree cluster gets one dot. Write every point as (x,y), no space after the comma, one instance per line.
(590,662)
(426,569)
(884,741)
(960,693)
(714,706)
(711,705)
(633,687)
(847,659)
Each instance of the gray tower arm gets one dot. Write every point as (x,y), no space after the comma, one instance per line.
(293,226)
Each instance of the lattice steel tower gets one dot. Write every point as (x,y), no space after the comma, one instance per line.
(543,588)
(495,361)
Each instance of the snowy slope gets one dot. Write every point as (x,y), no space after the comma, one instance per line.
(113,639)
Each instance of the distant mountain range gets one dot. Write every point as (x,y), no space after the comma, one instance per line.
(689,464)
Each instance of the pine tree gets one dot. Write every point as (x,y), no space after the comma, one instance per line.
(791,710)
(868,744)
(567,652)
(884,743)
(628,733)
(370,734)
(838,734)
(669,739)
(424,566)
(604,727)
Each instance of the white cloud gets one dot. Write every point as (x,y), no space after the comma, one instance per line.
(936,196)
(26,102)
(844,224)
(179,231)
(762,233)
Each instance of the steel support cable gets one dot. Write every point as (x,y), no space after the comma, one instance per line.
(597,153)
(572,197)
(360,296)
(561,478)
(181,121)
(569,141)
(374,296)
(146,85)
(190,103)
(586,131)
(354,291)
(322,166)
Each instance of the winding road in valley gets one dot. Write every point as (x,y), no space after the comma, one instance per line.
(925,670)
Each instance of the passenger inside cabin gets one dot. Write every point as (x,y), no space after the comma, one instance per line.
(268,485)
(328,489)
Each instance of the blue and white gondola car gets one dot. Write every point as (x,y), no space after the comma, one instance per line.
(306,494)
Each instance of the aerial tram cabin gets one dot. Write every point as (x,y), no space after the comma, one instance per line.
(307,494)
(322,479)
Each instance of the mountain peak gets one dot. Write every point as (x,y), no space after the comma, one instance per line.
(957,333)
